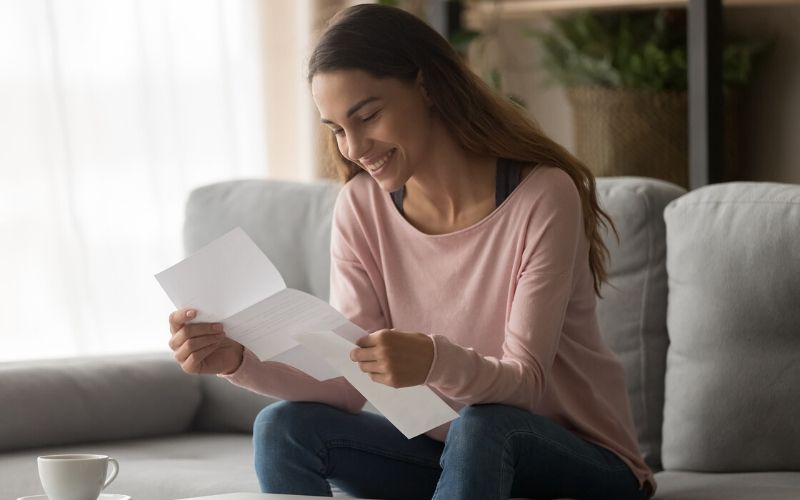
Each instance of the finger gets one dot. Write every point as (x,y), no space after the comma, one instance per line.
(363,354)
(193,345)
(194,330)
(371,340)
(196,344)
(372,367)
(179,317)
(380,378)
(194,363)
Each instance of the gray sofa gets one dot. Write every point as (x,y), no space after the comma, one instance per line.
(704,312)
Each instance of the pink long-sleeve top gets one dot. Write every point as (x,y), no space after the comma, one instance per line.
(509,303)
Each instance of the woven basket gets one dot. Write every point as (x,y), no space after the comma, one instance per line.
(641,132)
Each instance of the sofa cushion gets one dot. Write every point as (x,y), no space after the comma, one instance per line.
(632,313)
(55,402)
(165,468)
(733,365)
(289,221)
(162,468)
(740,486)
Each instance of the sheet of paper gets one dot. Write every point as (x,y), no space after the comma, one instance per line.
(266,328)
(229,274)
(413,410)
(304,360)
(231,281)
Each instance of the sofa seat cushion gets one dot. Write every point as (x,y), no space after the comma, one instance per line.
(167,468)
(675,485)
(164,468)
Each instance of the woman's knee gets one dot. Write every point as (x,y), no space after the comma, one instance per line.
(476,428)
(490,425)
(482,420)
(279,421)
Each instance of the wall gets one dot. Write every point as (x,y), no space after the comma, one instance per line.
(772,102)
(771,110)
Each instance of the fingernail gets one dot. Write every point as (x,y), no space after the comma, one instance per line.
(190,314)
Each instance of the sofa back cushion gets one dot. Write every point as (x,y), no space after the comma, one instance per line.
(733,365)
(632,312)
(82,400)
(289,221)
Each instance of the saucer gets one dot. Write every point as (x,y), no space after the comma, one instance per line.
(103,496)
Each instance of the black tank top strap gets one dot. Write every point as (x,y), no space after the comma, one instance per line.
(397,198)
(508,177)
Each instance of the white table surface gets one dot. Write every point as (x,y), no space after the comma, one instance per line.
(257,496)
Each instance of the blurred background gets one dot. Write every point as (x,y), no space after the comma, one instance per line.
(112,111)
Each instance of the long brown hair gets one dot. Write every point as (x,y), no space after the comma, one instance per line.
(387,42)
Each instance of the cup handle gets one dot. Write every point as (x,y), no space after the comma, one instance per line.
(113,475)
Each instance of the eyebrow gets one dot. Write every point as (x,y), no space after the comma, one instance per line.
(355,107)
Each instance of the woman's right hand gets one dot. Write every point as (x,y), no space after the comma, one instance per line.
(202,347)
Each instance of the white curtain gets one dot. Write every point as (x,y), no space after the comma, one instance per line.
(110,113)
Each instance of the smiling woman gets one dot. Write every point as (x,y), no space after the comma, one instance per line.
(467,243)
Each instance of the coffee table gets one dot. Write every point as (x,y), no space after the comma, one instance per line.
(257,496)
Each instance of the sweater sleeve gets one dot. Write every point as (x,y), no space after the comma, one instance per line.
(535,321)
(357,288)
(285,382)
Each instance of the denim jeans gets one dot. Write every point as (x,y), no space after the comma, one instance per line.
(491,452)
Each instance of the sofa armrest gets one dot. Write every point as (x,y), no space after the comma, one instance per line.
(90,399)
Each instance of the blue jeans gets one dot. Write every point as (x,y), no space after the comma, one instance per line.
(491,452)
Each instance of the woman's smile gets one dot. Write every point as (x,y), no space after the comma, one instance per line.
(376,166)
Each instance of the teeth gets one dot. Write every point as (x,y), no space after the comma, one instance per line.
(378,164)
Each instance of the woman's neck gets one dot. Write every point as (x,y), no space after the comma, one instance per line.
(453,189)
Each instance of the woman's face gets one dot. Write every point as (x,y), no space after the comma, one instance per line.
(382,125)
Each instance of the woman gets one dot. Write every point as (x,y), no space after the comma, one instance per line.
(468,244)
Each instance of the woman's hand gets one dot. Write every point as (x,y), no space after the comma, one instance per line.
(396,359)
(202,347)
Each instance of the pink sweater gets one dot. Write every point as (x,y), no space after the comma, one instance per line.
(508,302)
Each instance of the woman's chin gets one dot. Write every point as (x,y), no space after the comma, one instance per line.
(387,179)
(389,185)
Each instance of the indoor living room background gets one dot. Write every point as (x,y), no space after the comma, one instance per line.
(114,113)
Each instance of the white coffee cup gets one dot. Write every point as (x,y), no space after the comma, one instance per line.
(76,477)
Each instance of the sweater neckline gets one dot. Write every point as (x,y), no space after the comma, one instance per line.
(387,199)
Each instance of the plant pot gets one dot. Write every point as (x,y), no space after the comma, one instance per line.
(642,133)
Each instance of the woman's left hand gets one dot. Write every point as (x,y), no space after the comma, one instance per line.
(396,359)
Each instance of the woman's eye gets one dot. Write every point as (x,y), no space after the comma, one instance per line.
(370,117)
(338,131)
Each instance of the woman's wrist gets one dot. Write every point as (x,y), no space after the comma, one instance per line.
(238,364)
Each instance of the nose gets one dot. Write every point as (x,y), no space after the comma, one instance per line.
(357,145)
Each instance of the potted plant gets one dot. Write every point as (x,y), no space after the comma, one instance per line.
(626,79)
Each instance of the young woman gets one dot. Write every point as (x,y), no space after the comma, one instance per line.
(468,244)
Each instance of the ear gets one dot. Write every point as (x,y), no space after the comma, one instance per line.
(423,89)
